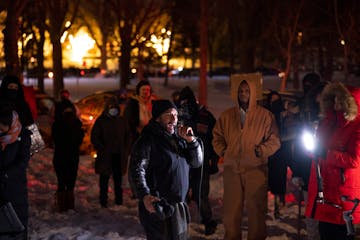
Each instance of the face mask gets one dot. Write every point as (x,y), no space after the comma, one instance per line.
(11,94)
(113,112)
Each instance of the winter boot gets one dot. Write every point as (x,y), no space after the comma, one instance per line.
(70,199)
(60,201)
(103,200)
(119,197)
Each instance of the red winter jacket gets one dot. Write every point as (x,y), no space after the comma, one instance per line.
(339,133)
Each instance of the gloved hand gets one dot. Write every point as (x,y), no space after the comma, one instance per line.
(163,209)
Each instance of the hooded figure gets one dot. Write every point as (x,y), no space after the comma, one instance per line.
(67,134)
(338,156)
(11,91)
(110,136)
(245,136)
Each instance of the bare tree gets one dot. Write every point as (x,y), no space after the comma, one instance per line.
(14,9)
(347,25)
(287,26)
(57,11)
(33,24)
(99,20)
(135,18)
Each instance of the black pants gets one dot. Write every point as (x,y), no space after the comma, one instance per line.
(330,231)
(201,196)
(66,172)
(117,177)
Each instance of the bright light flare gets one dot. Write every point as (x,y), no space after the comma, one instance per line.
(281,74)
(81,43)
(309,141)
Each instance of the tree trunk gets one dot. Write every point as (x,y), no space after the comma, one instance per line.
(125,62)
(296,83)
(40,60)
(329,62)
(321,59)
(203,52)
(10,42)
(58,81)
(103,57)
(169,56)
(287,69)
(247,58)
(140,67)
(346,62)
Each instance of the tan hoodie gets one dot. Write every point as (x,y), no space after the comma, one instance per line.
(236,144)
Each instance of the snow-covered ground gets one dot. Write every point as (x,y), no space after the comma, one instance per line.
(91,222)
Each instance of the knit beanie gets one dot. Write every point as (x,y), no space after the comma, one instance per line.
(160,106)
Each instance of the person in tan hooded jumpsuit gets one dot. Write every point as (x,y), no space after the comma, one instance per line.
(245,135)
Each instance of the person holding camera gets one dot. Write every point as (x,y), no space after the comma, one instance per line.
(159,167)
(334,186)
(202,121)
(245,135)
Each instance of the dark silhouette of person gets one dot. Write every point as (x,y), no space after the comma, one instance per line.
(110,136)
(67,134)
(202,122)
(14,158)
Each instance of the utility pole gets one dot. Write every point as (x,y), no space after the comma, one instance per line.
(203,52)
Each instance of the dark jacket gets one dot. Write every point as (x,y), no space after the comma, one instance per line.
(160,163)
(13,164)
(67,133)
(110,135)
(205,123)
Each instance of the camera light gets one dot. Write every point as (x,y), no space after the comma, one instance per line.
(308,140)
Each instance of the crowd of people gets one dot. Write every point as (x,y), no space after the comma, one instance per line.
(169,148)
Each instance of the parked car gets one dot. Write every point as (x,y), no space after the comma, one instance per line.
(90,108)
(44,104)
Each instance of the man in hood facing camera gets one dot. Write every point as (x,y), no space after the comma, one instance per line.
(245,135)
(159,168)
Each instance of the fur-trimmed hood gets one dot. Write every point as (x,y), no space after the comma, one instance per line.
(348,96)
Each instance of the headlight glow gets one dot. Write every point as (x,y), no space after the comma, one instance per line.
(308,140)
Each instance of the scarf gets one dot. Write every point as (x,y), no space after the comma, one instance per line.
(13,133)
